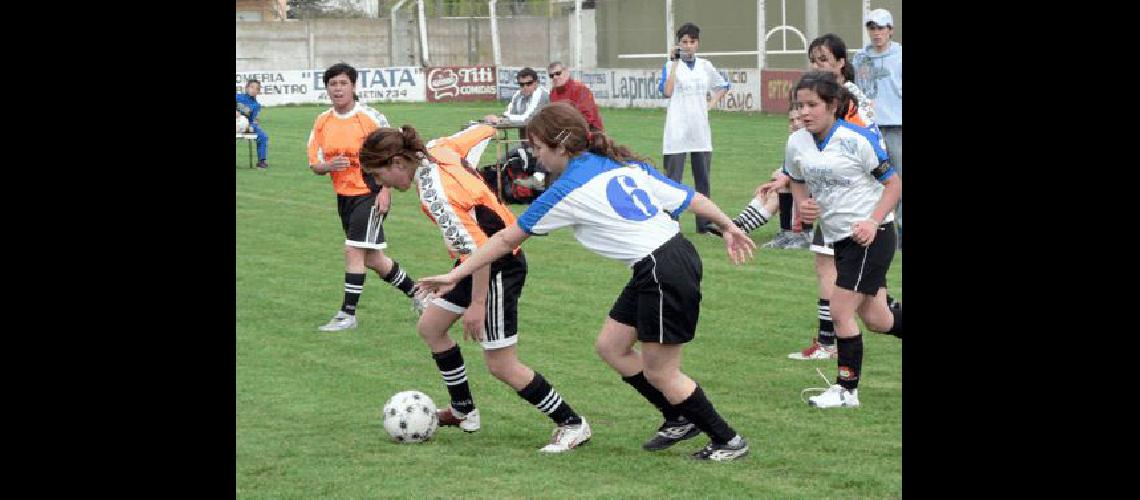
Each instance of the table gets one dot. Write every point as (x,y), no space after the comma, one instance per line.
(250,139)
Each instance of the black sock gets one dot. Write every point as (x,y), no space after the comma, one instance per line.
(890,301)
(450,363)
(896,328)
(785,211)
(399,279)
(806,227)
(542,395)
(753,216)
(826,327)
(850,361)
(700,411)
(353,286)
(654,396)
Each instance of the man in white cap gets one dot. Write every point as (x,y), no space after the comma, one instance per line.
(878,73)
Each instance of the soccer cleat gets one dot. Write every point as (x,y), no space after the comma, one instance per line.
(469,422)
(816,351)
(779,241)
(340,321)
(731,450)
(419,303)
(262,165)
(798,241)
(670,433)
(568,437)
(836,397)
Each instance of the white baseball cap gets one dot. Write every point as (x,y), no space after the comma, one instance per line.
(880,17)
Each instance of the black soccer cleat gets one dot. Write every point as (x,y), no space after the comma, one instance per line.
(671,432)
(723,452)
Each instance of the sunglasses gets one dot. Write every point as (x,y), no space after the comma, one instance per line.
(556,73)
(524,84)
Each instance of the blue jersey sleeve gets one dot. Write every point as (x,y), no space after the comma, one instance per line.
(549,211)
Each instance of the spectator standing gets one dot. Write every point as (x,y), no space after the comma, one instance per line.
(693,86)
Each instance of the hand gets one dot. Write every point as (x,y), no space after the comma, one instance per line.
(738,244)
(768,187)
(436,285)
(339,163)
(382,207)
(809,210)
(492,119)
(473,321)
(863,232)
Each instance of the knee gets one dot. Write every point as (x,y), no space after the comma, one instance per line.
(608,350)
(427,332)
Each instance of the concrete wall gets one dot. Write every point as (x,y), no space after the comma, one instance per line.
(524,41)
(615,27)
(286,45)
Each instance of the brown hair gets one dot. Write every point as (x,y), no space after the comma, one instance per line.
(560,123)
(385,143)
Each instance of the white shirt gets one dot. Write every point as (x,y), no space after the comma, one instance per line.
(522,107)
(620,211)
(838,172)
(687,118)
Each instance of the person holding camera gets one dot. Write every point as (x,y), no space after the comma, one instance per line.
(692,88)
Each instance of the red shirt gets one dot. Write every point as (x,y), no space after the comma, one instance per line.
(580,96)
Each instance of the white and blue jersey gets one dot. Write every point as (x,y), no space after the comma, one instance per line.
(844,173)
(620,211)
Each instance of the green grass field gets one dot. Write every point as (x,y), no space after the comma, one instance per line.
(308,403)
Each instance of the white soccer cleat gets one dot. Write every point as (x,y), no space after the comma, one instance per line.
(340,321)
(419,303)
(836,397)
(568,437)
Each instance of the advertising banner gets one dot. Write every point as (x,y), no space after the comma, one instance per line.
(461,83)
(777,86)
(395,84)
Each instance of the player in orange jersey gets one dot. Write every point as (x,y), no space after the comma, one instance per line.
(333,149)
(457,200)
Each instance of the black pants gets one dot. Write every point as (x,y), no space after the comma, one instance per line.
(701,161)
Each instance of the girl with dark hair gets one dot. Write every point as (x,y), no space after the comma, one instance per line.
(333,146)
(622,208)
(456,199)
(853,191)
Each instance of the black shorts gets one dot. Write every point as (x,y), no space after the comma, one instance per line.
(817,243)
(356,216)
(508,275)
(864,269)
(663,298)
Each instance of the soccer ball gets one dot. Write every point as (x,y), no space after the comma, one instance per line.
(242,124)
(409,417)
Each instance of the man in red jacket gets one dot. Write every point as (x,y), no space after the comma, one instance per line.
(577,93)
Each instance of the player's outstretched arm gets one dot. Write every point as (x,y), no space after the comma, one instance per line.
(738,244)
(499,245)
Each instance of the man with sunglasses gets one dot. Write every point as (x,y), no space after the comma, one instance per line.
(577,93)
(526,100)
(524,103)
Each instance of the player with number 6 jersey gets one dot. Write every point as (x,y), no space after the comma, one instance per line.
(624,209)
